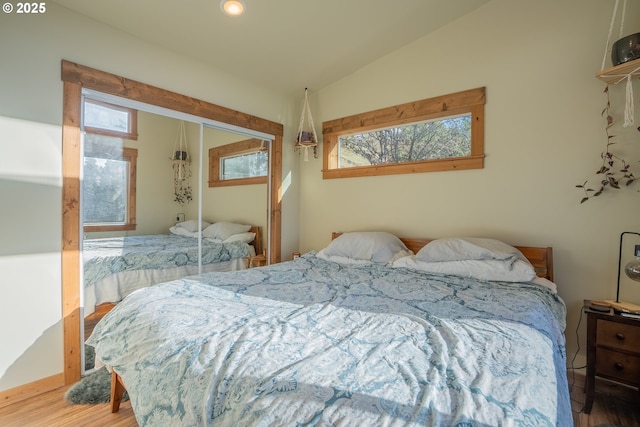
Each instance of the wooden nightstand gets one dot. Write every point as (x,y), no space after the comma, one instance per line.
(613,350)
(257,260)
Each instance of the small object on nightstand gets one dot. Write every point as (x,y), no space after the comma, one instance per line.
(602,306)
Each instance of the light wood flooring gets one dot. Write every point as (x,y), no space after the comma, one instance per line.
(613,405)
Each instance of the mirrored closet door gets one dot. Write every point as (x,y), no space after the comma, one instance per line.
(150,196)
(80,81)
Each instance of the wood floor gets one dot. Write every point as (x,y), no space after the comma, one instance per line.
(613,405)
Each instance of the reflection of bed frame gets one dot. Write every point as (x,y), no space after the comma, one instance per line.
(540,257)
(257,242)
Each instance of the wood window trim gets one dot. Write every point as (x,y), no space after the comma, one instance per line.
(235,148)
(466,102)
(133,122)
(131,156)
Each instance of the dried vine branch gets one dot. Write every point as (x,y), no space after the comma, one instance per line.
(614,169)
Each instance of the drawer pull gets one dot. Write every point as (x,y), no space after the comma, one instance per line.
(620,336)
(619,366)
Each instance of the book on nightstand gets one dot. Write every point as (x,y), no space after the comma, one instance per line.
(618,306)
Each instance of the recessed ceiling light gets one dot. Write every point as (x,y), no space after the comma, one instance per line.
(232,7)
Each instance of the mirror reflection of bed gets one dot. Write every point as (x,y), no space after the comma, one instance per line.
(156,240)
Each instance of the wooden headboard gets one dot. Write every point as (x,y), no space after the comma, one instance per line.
(540,257)
(257,241)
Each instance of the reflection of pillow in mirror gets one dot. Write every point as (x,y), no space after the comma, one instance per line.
(246,237)
(179,231)
(192,225)
(468,248)
(223,230)
(374,246)
(487,269)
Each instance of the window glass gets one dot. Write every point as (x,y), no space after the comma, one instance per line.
(244,166)
(239,163)
(108,185)
(107,119)
(428,140)
(103,117)
(105,191)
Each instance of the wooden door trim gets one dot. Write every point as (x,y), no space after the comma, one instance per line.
(75,77)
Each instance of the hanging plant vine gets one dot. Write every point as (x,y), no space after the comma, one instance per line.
(615,170)
(181,169)
(182,183)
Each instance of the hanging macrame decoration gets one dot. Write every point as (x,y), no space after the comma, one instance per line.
(181,163)
(306,138)
(628,75)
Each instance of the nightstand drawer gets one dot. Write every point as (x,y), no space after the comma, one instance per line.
(618,335)
(620,366)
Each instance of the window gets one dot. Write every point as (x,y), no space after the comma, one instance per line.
(107,119)
(109,168)
(436,134)
(240,163)
(109,184)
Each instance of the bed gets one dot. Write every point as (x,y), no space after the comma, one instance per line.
(376,332)
(115,267)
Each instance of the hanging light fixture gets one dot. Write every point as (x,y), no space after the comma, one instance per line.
(232,7)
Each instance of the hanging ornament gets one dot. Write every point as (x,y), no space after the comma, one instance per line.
(306,139)
(181,163)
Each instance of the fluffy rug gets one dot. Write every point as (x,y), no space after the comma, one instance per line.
(89,357)
(92,389)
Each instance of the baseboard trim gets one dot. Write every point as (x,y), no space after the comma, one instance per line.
(32,389)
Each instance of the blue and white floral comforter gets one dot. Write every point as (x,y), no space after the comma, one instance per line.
(310,342)
(104,257)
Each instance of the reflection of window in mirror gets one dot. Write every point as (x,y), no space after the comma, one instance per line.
(108,119)
(240,163)
(109,190)
(109,168)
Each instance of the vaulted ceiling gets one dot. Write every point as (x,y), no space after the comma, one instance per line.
(285,45)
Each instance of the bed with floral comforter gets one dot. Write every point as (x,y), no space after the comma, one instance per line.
(315,342)
(115,267)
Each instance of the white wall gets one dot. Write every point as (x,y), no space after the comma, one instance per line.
(31,48)
(544,135)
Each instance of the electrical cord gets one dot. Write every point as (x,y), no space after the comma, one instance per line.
(573,368)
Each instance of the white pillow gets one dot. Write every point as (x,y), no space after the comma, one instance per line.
(223,230)
(488,269)
(468,248)
(192,225)
(343,260)
(183,231)
(374,246)
(246,237)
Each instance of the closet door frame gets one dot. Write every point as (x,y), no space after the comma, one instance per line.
(75,77)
